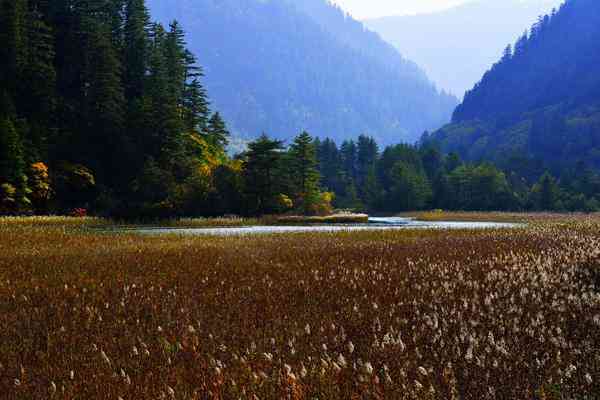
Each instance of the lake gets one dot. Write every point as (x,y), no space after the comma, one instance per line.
(375,224)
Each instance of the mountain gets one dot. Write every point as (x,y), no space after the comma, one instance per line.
(539,106)
(456,46)
(280,67)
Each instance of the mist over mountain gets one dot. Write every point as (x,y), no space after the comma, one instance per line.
(282,67)
(539,106)
(456,46)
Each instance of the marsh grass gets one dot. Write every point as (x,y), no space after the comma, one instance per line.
(509,217)
(347,218)
(415,314)
(51,221)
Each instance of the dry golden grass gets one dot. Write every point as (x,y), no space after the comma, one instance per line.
(347,218)
(365,315)
(472,216)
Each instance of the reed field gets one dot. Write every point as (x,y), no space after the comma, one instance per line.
(413,314)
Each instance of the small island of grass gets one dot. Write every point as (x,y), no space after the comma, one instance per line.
(340,218)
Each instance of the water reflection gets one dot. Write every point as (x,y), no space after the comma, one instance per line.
(375,224)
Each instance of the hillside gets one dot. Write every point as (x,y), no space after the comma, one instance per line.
(540,104)
(456,46)
(279,67)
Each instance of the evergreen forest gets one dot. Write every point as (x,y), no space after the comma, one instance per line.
(538,108)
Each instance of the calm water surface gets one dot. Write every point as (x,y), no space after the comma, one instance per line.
(375,224)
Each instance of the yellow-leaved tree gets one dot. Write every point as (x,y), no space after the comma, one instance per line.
(39,184)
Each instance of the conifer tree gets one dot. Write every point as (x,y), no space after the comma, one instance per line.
(176,58)
(195,98)
(158,105)
(103,101)
(349,159)
(195,101)
(411,189)
(507,54)
(38,98)
(166,139)
(546,192)
(262,174)
(330,166)
(13,39)
(304,176)
(136,57)
(217,132)
(116,19)
(12,163)
(136,48)
(366,158)
(174,133)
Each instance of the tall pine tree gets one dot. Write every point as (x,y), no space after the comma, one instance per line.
(262,174)
(217,132)
(303,174)
(12,162)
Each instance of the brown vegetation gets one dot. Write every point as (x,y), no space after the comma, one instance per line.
(506,314)
(347,218)
(473,216)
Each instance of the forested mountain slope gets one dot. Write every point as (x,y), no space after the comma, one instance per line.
(353,34)
(540,104)
(280,67)
(102,109)
(456,46)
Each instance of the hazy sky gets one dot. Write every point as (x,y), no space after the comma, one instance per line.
(362,9)
(379,8)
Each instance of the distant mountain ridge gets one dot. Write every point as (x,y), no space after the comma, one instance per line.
(456,46)
(355,35)
(540,104)
(280,67)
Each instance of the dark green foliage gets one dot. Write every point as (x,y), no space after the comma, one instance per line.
(331,166)
(408,177)
(13,37)
(103,106)
(75,186)
(303,175)
(545,194)
(228,197)
(263,175)
(366,181)
(538,108)
(481,187)
(12,162)
(136,48)
(216,131)
(105,90)
(410,188)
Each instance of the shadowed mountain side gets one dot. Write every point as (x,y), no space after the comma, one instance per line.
(274,67)
(539,106)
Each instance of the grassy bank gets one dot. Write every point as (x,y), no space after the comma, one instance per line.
(471,216)
(225,222)
(389,315)
(329,219)
(345,218)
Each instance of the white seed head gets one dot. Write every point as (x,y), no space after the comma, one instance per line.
(307,329)
(350,347)
(52,388)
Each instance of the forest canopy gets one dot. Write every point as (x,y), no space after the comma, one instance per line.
(538,107)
